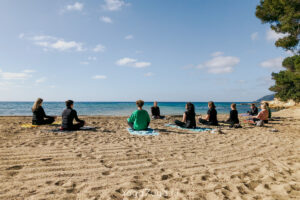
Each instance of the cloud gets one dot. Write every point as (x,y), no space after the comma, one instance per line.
(21,35)
(99,48)
(92,58)
(62,45)
(254,36)
(84,63)
(271,35)
(54,43)
(107,20)
(114,5)
(75,7)
(217,53)
(149,74)
(15,75)
(219,64)
(28,71)
(41,80)
(99,77)
(132,63)
(128,37)
(274,63)
(142,64)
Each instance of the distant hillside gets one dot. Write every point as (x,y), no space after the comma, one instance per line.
(266,98)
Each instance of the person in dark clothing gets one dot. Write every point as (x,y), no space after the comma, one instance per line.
(253,111)
(68,115)
(211,118)
(156,112)
(233,117)
(188,119)
(39,116)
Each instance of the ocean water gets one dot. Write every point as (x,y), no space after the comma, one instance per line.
(113,108)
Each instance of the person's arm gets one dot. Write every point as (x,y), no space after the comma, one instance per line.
(131,118)
(43,112)
(76,117)
(184,117)
(148,118)
(230,116)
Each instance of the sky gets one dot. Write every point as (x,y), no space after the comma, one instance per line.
(124,50)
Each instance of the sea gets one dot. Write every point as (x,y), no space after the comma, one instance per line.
(114,108)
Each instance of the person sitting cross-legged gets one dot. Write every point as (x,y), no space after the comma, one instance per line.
(68,116)
(139,119)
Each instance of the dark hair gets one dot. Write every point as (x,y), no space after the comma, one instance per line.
(69,103)
(139,103)
(233,105)
(252,104)
(190,107)
(267,104)
(211,104)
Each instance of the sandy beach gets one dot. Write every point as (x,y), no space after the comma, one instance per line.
(109,163)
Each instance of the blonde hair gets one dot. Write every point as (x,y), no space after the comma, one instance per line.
(37,104)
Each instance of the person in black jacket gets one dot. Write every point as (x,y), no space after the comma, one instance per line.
(39,116)
(211,118)
(233,116)
(155,111)
(68,115)
(188,119)
(254,110)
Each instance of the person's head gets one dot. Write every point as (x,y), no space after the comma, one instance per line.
(253,105)
(190,107)
(37,104)
(139,103)
(69,103)
(211,105)
(233,106)
(263,106)
(155,103)
(267,104)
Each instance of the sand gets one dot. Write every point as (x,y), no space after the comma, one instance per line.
(247,163)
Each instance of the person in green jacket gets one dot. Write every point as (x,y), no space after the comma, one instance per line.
(139,119)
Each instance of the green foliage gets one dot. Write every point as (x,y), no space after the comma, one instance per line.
(287,82)
(284,17)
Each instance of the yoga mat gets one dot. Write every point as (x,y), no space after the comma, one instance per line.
(149,131)
(85,128)
(197,129)
(29,125)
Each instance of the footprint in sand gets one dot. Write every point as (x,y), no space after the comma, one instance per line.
(106,173)
(45,159)
(16,167)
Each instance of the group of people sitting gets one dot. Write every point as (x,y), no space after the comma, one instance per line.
(68,116)
(140,119)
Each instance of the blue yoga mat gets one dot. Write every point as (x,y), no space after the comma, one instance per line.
(197,129)
(149,131)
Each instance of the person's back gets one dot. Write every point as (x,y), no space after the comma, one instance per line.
(140,119)
(190,119)
(67,118)
(38,115)
(212,112)
(234,117)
